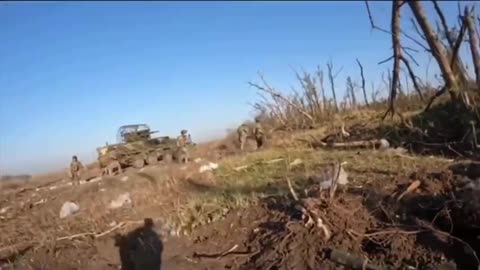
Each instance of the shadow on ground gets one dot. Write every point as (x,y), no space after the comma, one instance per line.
(140,249)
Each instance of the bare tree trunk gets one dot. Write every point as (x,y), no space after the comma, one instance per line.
(397,53)
(374,93)
(435,46)
(351,89)
(472,34)
(322,89)
(331,77)
(363,83)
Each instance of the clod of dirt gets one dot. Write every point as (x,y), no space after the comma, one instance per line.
(68,208)
(123,179)
(4,209)
(120,201)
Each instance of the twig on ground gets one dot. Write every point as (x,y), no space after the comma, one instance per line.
(243,167)
(395,231)
(95,235)
(448,235)
(412,187)
(333,187)
(294,194)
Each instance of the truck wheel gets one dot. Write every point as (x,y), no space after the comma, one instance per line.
(167,158)
(152,159)
(138,163)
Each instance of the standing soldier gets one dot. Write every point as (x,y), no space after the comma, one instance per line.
(182,141)
(242,133)
(259,133)
(75,168)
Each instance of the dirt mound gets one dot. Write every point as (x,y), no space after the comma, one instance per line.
(368,227)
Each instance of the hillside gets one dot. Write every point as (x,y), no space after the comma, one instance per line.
(248,194)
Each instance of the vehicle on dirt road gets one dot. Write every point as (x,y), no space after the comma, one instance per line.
(136,148)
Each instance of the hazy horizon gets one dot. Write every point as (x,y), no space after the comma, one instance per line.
(73,72)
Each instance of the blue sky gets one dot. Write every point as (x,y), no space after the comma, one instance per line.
(71,73)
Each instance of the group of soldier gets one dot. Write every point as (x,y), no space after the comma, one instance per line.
(182,147)
(258,133)
(183,141)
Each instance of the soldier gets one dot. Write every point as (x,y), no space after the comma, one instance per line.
(75,168)
(259,133)
(242,133)
(182,141)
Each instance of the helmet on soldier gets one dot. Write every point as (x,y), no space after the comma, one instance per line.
(183,132)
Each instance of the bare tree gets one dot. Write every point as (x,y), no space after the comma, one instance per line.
(351,92)
(322,88)
(332,77)
(363,82)
(397,53)
(436,47)
(473,38)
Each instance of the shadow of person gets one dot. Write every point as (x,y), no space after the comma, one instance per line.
(140,249)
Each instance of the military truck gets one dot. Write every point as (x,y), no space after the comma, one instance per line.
(136,148)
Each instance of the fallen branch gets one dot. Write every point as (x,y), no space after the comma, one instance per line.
(376,143)
(243,167)
(394,231)
(292,191)
(95,235)
(218,255)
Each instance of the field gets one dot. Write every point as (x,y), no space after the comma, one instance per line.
(398,210)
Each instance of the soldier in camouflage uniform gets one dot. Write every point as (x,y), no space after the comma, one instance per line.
(182,141)
(259,133)
(75,168)
(242,133)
